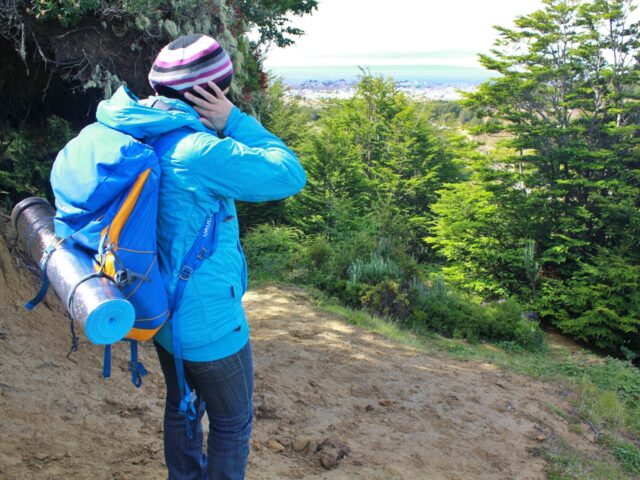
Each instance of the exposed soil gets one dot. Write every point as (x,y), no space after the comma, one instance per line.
(332,402)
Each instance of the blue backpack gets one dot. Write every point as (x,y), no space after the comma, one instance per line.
(106,189)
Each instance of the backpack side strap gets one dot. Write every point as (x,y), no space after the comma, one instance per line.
(106,364)
(44,286)
(135,367)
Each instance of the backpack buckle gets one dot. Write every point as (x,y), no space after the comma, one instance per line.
(121,278)
(186,272)
(202,254)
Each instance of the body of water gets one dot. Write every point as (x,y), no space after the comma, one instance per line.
(420,74)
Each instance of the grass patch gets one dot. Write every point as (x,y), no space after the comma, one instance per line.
(626,453)
(604,407)
(559,412)
(567,463)
(388,329)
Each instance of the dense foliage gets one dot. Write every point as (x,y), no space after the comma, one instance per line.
(549,217)
(375,165)
(136,29)
(25,164)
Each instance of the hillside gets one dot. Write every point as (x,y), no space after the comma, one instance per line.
(323,389)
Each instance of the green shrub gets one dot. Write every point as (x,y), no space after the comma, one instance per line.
(373,270)
(351,246)
(314,261)
(269,250)
(315,258)
(318,252)
(502,318)
(444,311)
(387,298)
(504,321)
(600,304)
(453,315)
(528,334)
(327,265)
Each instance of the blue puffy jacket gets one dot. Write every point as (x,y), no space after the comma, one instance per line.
(200,174)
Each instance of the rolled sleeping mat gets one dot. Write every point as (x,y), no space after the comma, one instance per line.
(94,302)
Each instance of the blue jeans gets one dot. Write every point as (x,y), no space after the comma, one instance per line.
(225,390)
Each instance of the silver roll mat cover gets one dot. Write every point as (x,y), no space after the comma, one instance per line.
(95,303)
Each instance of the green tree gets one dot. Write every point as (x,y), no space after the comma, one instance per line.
(271,17)
(475,234)
(371,152)
(567,95)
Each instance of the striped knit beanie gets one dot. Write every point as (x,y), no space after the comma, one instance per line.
(189,61)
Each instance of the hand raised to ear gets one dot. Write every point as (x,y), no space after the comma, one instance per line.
(213,106)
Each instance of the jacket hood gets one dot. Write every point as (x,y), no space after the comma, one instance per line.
(124,112)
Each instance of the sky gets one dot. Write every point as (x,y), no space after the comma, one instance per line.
(410,32)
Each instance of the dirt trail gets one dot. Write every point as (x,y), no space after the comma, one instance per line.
(326,392)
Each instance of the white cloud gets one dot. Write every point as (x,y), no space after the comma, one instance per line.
(376,32)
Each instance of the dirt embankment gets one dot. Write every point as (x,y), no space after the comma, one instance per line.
(327,395)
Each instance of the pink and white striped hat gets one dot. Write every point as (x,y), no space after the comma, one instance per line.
(189,61)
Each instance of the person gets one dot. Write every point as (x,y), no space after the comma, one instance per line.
(216,155)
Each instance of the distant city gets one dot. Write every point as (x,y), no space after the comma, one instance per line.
(318,90)
(432,82)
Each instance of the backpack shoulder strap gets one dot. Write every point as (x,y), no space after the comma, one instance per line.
(203,247)
(162,143)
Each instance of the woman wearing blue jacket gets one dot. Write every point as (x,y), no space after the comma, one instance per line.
(217,154)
